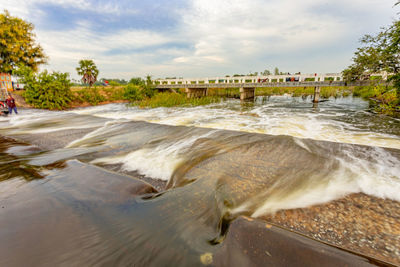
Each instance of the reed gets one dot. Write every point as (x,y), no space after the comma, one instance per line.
(90,95)
(175,100)
(326,92)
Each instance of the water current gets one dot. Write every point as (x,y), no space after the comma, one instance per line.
(72,190)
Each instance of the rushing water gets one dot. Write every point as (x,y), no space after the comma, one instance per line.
(65,197)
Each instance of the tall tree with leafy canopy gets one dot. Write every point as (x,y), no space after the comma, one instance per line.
(17,44)
(378,53)
(88,70)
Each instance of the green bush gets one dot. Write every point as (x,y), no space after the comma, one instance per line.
(136,81)
(395,79)
(149,90)
(386,96)
(376,78)
(364,91)
(46,90)
(114,83)
(133,93)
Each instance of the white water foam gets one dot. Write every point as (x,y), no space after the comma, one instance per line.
(89,138)
(265,119)
(378,176)
(155,162)
(42,121)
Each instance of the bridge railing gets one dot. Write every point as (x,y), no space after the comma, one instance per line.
(251,85)
(268,84)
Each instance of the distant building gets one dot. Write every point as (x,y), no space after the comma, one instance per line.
(6,82)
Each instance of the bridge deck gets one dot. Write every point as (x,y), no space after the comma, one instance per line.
(261,85)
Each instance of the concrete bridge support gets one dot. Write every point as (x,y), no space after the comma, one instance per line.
(247,93)
(196,92)
(317,92)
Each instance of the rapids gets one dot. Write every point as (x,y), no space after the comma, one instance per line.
(68,175)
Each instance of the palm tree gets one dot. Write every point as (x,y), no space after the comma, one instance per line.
(88,70)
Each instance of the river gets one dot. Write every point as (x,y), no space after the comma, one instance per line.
(120,185)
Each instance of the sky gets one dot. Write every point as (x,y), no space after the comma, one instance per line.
(202,38)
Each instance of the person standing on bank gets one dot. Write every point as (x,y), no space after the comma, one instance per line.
(11,104)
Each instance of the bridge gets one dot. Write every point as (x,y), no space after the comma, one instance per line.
(197,87)
(316,77)
(247,90)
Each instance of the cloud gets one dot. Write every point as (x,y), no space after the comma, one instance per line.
(202,37)
(240,31)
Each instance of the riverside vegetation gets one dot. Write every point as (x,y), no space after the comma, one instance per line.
(54,91)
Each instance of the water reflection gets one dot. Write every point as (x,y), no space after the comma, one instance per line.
(12,166)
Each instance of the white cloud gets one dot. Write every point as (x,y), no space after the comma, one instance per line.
(65,49)
(239,31)
(224,37)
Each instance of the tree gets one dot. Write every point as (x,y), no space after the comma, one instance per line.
(133,92)
(148,79)
(136,81)
(253,74)
(378,53)
(276,71)
(17,44)
(45,90)
(88,70)
(266,72)
(148,88)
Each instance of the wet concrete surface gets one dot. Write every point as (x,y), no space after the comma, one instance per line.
(251,242)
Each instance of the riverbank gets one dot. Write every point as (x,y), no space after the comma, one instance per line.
(82,97)
(383,99)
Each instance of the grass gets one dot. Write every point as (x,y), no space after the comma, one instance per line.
(175,100)
(113,94)
(326,92)
(224,92)
(83,96)
(89,95)
(364,91)
(387,98)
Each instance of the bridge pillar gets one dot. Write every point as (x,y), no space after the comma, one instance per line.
(317,91)
(247,93)
(196,92)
